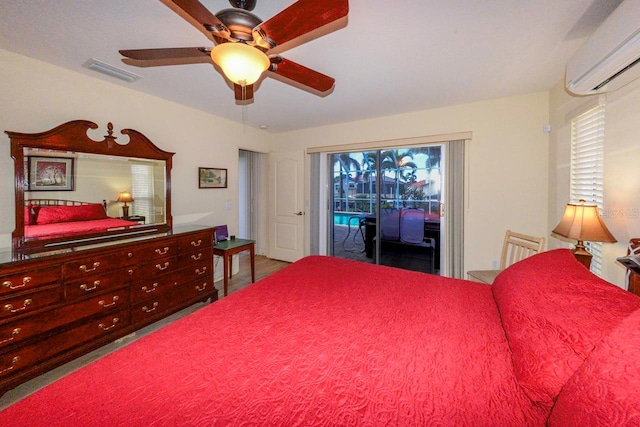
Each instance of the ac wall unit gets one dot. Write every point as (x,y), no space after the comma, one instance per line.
(609,58)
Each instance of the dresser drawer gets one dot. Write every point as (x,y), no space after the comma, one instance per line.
(154,250)
(31,302)
(154,268)
(97,265)
(196,241)
(114,300)
(195,257)
(199,288)
(152,287)
(197,271)
(171,299)
(27,280)
(30,326)
(95,284)
(19,358)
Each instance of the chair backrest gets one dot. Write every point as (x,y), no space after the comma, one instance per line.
(221,233)
(390,224)
(519,246)
(412,225)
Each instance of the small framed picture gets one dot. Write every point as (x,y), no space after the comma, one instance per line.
(51,174)
(212,178)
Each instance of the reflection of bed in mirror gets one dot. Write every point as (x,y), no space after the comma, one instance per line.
(92,170)
(47,218)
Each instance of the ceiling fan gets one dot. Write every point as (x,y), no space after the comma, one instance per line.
(246,48)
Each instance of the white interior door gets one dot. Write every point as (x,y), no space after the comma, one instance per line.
(286,210)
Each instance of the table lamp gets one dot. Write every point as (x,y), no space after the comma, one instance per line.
(582,222)
(125,198)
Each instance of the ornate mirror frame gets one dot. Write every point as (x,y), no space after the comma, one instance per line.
(72,137)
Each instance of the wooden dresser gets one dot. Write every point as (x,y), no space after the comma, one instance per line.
(58,305)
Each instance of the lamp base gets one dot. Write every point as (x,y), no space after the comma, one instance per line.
(125,211)
(582,255)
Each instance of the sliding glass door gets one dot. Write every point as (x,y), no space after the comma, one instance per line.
(386,206)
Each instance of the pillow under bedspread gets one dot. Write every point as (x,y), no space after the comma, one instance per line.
(323,342)
(554,312)
(63,229)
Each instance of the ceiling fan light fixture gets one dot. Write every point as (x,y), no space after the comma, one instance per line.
(241,63)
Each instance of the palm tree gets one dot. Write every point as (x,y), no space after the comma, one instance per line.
(401,163)
(346,162)
(369,169)
(432,162)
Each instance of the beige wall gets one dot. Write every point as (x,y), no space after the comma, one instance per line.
(621,173)
(508,164)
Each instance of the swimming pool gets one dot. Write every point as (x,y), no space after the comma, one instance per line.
(342,218)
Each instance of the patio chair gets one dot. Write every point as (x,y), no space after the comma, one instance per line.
(412,225)
(516,247)
(390,224)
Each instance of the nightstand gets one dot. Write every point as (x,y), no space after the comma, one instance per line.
(140,219)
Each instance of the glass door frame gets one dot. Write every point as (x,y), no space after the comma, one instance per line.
(400,154)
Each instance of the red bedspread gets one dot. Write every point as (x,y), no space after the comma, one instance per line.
(322,342)
(59,229)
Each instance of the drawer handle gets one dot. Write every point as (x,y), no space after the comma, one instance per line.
(15,332)
(88,289)
(196,244)
(149,310)
(104,304)
(162,267)
(14,361)
(200,272)
(8,284)
(153,288)
(196,257)
(162,251)
(113,324)
(9,307)
(86,269)
(201,288)
(130,254)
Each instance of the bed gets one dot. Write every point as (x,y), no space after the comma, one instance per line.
(327,341)
(51,218)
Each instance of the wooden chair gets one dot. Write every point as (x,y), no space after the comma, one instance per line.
(515,248)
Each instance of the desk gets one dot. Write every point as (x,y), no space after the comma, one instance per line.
(226,249)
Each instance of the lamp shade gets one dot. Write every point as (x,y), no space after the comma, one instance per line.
(125,197)
(582,222)
(241,63)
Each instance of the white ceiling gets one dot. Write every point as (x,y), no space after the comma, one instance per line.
(393,57)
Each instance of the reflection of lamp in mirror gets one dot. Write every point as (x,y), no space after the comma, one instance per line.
(125,198)
(582,222)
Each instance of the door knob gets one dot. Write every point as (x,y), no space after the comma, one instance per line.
(299,213)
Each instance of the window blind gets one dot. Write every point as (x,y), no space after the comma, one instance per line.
(142,190)
(587,167)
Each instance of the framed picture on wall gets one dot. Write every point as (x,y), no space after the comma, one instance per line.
(51,173)
(212,178)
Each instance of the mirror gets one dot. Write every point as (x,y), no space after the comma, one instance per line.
(71,189)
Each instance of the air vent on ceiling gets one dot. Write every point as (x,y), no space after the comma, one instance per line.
(110,70)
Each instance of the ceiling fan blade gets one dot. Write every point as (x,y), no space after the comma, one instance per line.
(302,18)
(166,56)
(300,76)
(199,16)
(244,95)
